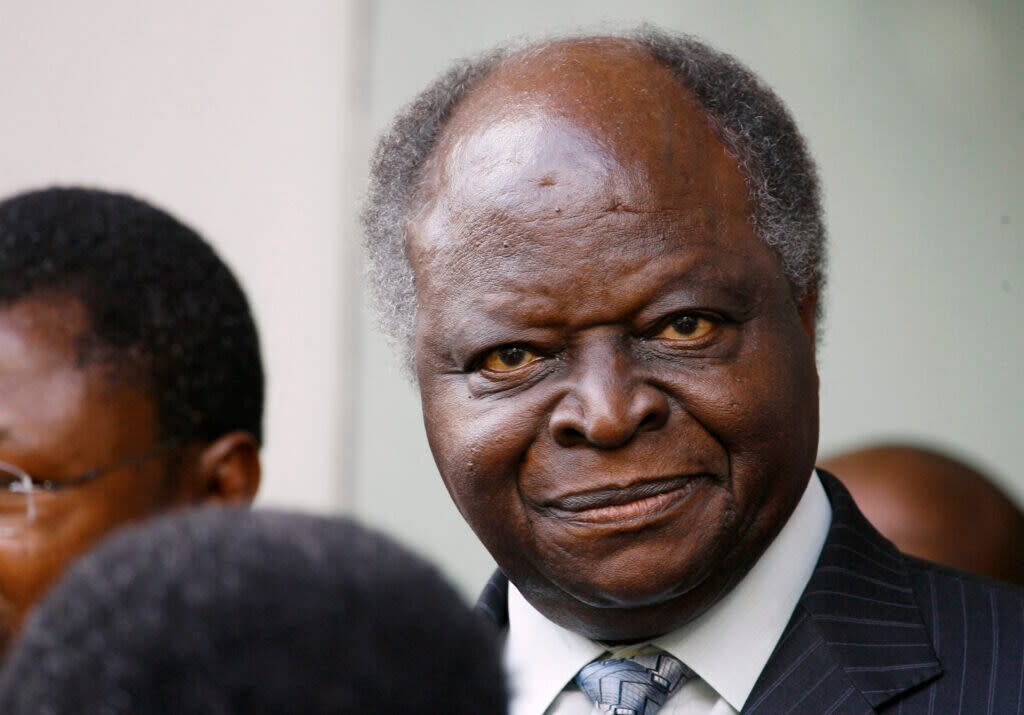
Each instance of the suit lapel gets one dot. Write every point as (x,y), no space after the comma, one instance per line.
(857,638)
(492,605)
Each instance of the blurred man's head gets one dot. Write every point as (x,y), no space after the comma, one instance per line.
(130,378)
(935,507)
(233,611)
(605,254)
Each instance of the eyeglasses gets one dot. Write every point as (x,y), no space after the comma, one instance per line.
(18,488)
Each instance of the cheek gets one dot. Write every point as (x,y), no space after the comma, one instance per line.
(26,566)
(763,409)
(66,526)
(478,444)
(32,560)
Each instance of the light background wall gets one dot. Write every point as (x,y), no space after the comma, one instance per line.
(253,120)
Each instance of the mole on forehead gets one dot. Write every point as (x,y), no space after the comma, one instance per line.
(533,167)
(551,128)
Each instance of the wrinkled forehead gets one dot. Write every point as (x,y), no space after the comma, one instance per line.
(566,132)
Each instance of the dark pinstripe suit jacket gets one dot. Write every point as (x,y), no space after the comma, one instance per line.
(878,631)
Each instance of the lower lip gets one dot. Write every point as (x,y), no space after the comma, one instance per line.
(636,512)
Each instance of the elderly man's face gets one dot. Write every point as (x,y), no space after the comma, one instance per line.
(618,385)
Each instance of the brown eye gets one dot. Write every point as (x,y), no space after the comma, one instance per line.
(508,358)
(687,327)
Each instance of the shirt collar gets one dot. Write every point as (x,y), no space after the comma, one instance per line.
(728,646)
(541,657)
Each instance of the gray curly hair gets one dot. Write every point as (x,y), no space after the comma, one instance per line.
(746,114)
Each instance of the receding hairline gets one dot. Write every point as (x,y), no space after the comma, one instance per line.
(540,82)
(513,78)
(603,47)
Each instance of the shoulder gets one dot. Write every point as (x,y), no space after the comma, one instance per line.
(911,635)
(964,603)
(976,628)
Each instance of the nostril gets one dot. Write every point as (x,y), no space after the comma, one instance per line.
(655,419)
(570,436)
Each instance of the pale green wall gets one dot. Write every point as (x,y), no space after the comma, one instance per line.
(915,114)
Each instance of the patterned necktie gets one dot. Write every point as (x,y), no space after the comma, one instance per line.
(637,685)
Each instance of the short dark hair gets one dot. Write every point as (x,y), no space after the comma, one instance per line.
(749,118)
(161,304)
(237,611)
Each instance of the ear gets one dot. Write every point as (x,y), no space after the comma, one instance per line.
(807,307)
(228,469)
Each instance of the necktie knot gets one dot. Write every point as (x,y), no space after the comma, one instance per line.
(636,685)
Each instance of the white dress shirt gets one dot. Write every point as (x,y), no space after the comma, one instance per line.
(727,647)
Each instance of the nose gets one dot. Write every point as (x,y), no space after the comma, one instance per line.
(609,404)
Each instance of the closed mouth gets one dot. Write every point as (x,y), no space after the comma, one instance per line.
(616,504)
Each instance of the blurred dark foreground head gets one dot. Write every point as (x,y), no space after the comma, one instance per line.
(232,611)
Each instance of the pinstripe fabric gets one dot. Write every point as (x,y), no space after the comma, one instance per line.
(877,631)
(858,621)
(492,605)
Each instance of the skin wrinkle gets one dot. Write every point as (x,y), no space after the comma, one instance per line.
(491,222)
(640,349)
(495,307)
(475,258)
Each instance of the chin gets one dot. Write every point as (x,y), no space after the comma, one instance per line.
(624,608)
(623,611)
(630,597)
(627,591)
(649,572)
(627,624)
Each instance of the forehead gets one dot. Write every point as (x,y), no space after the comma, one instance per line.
(588,145)
(41,333)
(610,89)
(47,394)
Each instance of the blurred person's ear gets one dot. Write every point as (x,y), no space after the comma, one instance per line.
(226,470)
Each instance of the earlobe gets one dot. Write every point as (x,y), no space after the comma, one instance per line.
(229,469)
